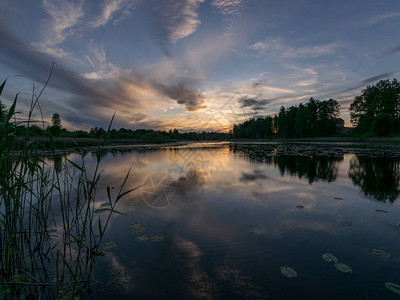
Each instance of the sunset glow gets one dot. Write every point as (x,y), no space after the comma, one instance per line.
(188,64)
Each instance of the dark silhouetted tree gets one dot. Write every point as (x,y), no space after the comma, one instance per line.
(55,128)
(377,101)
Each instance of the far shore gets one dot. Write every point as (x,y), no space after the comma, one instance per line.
(66,142)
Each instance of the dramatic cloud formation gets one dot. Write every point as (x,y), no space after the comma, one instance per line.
(253,103)
(193,64)
(127,92)
(192,100)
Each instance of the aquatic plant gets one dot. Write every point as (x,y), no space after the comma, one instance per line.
(343,267)
(329,258)
(288,272)
(50,228)
(380,253)
(395,288)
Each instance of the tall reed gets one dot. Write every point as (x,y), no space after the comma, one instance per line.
(51,227)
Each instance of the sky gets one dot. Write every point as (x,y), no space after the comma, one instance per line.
(191,64)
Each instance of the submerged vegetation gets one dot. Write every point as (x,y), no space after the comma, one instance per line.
(50,230)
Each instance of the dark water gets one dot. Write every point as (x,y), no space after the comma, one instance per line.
(219,220)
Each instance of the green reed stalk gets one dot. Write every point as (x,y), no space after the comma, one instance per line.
(50,231)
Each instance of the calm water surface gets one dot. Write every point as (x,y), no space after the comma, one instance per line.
(219,220)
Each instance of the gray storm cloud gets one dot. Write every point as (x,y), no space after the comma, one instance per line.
(191,99)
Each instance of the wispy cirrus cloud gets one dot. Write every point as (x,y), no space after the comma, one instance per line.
(64,17)
(103,69)
(175,20)
(111,9)
(277,47)
(390,15)
(389,52)
(229,7)
(367,81)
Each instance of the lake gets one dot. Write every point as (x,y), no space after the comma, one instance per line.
(220,220)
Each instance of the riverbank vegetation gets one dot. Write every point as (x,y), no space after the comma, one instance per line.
(52,221)
(376,112)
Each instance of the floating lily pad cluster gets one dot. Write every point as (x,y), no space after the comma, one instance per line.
(147,237)
(380,253)
(122,278)
(330,258)
(108,246)
(137,228)
(288,272)
(346,223)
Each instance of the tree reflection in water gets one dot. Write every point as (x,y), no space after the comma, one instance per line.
(378,177)
(310,167)
(313,168)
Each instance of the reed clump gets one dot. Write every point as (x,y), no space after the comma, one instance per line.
(51,228)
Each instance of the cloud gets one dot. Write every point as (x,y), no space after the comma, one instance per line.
(277,47)
(367,81)
(253,103)
(229,7)
(257,174)
(94,101)
(63,21)
(97,59)
(175,20)
(380,18)
(391,52)
(191,99)
(110,8)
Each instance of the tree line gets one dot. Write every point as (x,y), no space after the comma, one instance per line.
(375,112)
(313,119)
(56,129)
(377,109)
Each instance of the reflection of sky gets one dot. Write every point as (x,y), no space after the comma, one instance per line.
(239,217)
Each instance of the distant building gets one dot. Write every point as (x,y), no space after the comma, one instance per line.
(340,127)
(339,123)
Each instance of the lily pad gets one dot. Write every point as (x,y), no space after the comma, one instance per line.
(143,238)
(330,258)
(300,206)
(288,272)
(108,246)
(346,223)
(343,267)
(157,238)
(395,288)
(101,210)
(380,253)
(123,278)
(137,227)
